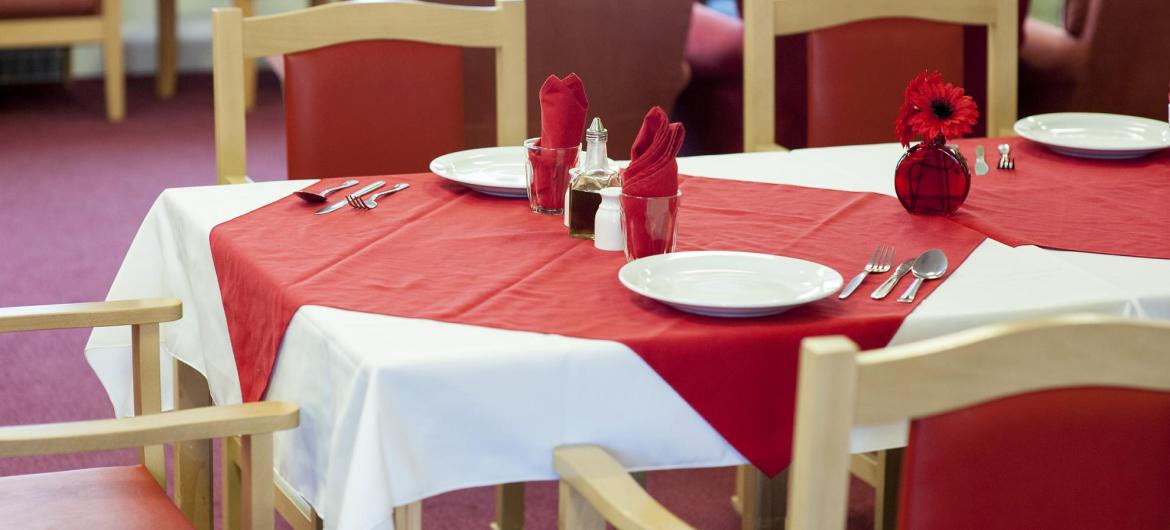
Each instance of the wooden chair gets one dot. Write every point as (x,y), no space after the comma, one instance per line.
(132,497)
(1058,409)
(235,39)
(166,80)
(65,23)
(766,19)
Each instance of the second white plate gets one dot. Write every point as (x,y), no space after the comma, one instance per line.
(729,284)
(1094,135)
(495,171)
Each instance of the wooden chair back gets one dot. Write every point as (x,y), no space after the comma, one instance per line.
(840,387)
(237,39)
(764,20)
(102,27)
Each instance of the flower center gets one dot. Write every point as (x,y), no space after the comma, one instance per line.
(941,108)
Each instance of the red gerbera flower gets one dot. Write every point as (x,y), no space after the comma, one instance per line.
(932,108)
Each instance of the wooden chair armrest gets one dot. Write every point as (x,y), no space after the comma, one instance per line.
(150,429)
(610,489)
(90,314)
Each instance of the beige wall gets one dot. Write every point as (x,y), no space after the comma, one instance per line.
(139,29)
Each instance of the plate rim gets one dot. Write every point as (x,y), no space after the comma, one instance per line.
(434,167)
(840,280)
(1021,128)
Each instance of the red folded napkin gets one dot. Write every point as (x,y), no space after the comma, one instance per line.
(563,107)
(653,170)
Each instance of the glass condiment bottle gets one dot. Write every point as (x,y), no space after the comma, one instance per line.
(594,175)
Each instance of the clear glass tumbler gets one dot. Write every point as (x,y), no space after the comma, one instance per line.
(651,224)
(547,170)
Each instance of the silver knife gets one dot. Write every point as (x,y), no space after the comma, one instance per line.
(337,205)
(888,285)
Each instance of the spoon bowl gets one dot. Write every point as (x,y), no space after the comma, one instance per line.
(312,197)
(931,265)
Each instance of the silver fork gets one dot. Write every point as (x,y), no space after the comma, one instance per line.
(372,202)
(880,261)
(1006,162)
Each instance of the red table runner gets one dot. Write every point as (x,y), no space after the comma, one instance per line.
(440,252)
(1056,201)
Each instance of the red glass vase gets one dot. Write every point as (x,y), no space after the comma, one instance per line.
(932,178)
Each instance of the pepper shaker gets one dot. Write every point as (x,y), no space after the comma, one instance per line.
(607,224)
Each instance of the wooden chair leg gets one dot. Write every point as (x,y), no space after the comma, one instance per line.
(256,480)
(299,515)
(231,483)
(67,68)
(113,61)
(889,477)
(575,513)
(509,507)
(408,517)
(737,498)
(193,467)
(166,79)
(764,501)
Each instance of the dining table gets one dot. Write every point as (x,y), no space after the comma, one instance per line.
(397,409)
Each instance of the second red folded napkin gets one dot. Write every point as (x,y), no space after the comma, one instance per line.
(563,107)
(653,170)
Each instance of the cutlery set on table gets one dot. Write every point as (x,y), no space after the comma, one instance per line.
(354,200)
(930,265)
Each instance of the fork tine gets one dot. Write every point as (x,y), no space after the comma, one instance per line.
(873,257)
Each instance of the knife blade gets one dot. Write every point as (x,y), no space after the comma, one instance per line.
(888,285)
(337,205)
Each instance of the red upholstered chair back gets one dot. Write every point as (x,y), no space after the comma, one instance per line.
(1055,424)
(1068,459)
(372,107)
(48,8)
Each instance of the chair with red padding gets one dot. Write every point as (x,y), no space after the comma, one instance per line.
(370,88)
(1060,423)
(840,85)
(39,23)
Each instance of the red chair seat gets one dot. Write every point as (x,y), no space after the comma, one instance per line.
(122,498)
(47,8)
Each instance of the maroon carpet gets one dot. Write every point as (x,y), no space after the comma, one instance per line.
(79,187)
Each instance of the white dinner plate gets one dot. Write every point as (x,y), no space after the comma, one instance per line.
(495,171)
(729,284)
(1094,135)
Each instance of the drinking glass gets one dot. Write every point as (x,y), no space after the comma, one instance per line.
(547,170)
(651,224)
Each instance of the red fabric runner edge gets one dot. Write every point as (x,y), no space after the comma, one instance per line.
(268,268)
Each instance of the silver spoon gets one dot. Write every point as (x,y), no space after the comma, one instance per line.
(931,265)
(309,196)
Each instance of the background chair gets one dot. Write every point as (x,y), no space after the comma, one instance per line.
(348,110)
(166,80)
(132,497)
(712,104)
(847,112)
(33,23)
(1107,57)
(1060,423)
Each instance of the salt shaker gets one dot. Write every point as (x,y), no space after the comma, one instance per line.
(607,224)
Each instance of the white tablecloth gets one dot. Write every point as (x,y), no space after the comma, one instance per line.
(395,410)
